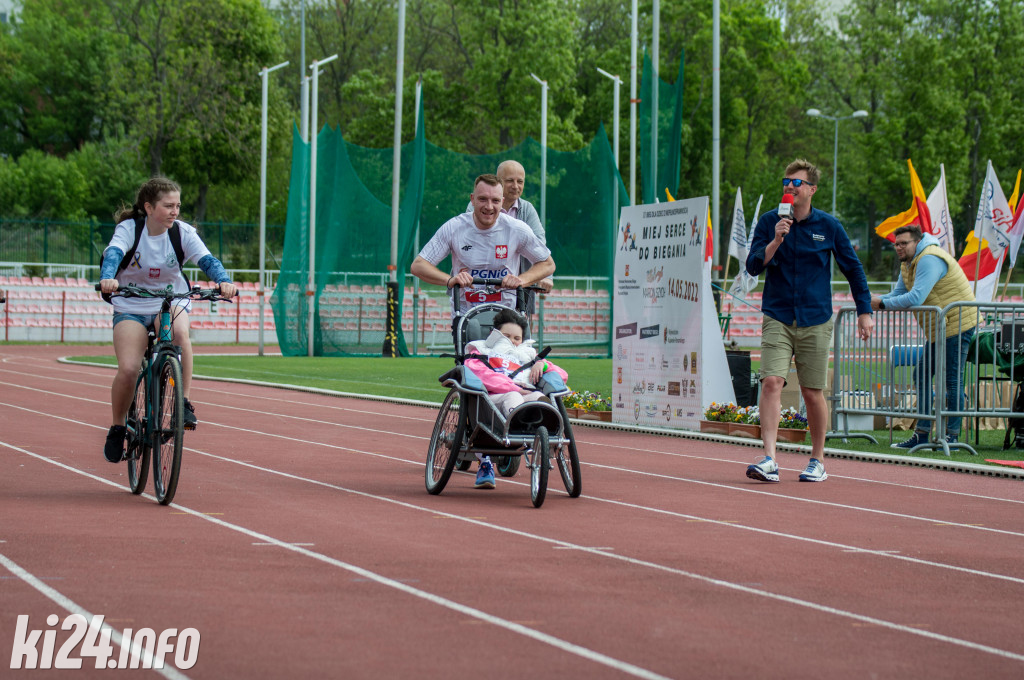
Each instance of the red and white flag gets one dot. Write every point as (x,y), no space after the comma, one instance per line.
(982,259)
(994,217)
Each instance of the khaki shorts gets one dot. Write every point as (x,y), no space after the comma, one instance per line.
(809,346)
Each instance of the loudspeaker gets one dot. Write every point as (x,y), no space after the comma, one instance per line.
(739,369)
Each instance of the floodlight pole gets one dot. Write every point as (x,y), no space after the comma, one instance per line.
(311,281)
(716,130)
(633,101)
(655,82)
(304,109)
(416,241)
(303,78)
(260,288)
(815,113)
(543,148)
(396,158)
(615,147)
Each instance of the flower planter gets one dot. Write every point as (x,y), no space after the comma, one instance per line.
(788,434)
(603,416)
(714,427)
(572,412)
(748,430)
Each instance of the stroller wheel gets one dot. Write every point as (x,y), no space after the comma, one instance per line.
(508,466)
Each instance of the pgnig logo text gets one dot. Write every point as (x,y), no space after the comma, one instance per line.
(143,648)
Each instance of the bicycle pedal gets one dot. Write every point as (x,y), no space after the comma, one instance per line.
(190,426)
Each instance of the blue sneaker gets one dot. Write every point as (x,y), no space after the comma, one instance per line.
(915,439)
(815,472)
(765,470)
(485,475)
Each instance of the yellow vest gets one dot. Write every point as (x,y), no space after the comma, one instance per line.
(953,287)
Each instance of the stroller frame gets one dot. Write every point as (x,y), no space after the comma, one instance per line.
(470,423)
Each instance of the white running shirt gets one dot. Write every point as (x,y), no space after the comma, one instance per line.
(155,265)
(485,253)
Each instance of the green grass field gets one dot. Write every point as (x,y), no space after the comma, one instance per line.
(416,378)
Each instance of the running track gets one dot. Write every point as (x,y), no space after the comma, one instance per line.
(302,544)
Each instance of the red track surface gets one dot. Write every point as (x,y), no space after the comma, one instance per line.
(303,544)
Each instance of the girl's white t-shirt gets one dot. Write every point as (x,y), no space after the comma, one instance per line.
(154,266)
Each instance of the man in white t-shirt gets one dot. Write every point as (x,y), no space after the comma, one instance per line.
(485,243)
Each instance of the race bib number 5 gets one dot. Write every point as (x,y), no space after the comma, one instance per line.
(476,297)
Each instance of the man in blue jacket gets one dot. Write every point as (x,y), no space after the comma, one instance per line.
(795,254)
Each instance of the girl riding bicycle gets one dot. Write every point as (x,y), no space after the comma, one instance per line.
(157,256)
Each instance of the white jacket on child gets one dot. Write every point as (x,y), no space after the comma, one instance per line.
(504,357)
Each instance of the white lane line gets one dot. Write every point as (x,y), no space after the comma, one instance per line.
(71,607)
(512,626)
(243,409)
(395,584)
(673,454)
(632,506)
(814,501)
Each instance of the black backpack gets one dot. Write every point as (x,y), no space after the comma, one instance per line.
(179,252)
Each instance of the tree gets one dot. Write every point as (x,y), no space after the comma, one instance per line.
(187,74)
(53,78)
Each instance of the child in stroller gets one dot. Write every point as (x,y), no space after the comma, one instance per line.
(499,361)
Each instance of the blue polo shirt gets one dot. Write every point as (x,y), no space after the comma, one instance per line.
(797,286)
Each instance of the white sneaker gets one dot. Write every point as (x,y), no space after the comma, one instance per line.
(815,472)
(765,470)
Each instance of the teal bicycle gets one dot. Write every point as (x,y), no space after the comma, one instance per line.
(155,422)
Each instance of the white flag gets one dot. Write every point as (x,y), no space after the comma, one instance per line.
(738,236)
(938,206)
(744,282)
(994,217)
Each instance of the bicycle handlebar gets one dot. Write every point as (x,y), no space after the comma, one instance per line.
(195,293)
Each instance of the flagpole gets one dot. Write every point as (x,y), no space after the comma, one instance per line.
(1007,284)
(977,266)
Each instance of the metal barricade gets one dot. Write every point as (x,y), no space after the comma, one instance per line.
(888,375)
(993,363)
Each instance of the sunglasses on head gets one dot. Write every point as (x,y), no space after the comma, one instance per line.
(795,182)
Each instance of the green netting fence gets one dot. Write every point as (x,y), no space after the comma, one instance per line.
(353,226)
(353,220)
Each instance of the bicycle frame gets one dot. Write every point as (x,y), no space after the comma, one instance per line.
(159,423)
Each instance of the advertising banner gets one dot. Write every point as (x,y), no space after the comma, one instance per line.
(659,288)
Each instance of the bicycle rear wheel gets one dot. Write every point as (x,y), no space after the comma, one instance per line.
(138,443)
(169,429)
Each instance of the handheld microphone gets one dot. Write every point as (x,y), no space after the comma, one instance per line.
(786,206)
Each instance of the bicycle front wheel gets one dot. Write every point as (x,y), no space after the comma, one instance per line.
(138,441)
(169,430)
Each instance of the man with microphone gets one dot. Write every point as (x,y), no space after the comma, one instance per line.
(794,245)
